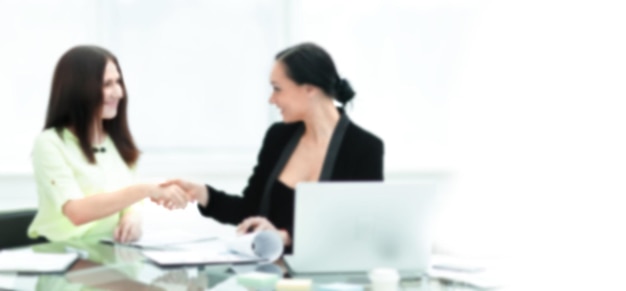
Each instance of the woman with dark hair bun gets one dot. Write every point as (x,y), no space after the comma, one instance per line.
(85,157)
(315,142)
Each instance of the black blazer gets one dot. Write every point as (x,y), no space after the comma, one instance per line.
(354,154)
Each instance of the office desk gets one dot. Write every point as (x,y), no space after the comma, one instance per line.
(107,267)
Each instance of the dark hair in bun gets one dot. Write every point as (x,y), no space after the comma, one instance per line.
(308,63)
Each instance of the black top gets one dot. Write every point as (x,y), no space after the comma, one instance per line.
(354,154)
(282,214)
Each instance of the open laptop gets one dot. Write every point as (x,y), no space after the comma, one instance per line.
(346,227)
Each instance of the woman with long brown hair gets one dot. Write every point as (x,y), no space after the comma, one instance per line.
(85,157)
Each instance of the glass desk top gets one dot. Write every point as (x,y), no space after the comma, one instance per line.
(114,267)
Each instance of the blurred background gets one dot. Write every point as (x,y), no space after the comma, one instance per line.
(517,105)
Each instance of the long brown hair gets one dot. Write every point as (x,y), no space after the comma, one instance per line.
(76,101)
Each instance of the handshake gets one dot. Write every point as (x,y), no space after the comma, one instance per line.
(177,193)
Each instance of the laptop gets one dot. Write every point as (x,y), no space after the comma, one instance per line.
(349,227)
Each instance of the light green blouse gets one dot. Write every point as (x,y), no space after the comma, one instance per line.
(62,173)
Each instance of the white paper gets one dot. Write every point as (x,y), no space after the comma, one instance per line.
(264,246)
(197,257)
(168,238)
(7,281)
(21,261)
(458,264)
(486,279)
(483,273)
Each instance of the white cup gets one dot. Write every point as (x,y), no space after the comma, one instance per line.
(384,279)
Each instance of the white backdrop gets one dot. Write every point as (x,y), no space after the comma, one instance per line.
(33,35)
(197,71)
(522,102)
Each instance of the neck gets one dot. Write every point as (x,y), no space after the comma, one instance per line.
(97,130)
(98,133)
(321,122)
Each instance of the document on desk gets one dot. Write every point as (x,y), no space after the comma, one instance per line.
(264,246)
(164,239)
(7,281)
(480,273)
(30,262)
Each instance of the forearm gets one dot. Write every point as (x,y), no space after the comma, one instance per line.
(224,207)
(94,207)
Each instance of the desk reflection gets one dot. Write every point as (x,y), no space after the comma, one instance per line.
(114,267)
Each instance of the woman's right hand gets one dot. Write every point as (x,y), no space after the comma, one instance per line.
(170,197)
(196,191)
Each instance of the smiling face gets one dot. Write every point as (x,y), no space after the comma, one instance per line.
(112,90)
(291,99)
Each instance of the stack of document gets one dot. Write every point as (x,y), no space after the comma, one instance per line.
(7,281)
(26,261)
(475,272)
(264,246)
(165,239)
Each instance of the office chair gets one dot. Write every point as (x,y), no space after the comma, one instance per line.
(13,227)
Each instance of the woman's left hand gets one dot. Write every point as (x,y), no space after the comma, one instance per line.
(129,228)
(254,224)
(258,223)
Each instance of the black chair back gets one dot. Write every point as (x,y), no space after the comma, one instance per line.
(14,226)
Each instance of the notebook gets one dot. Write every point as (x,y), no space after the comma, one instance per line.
(26,261)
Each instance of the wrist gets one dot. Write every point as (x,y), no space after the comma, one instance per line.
(204,195)
(151,191)
(284,235)
(130,217)
(142,191)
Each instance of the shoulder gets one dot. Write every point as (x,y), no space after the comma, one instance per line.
(362,138)
(52,141)
(49,149)
(276,139)
(49,135)
(48,138)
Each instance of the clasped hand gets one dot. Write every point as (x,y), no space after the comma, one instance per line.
(171,196)
(177,193)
